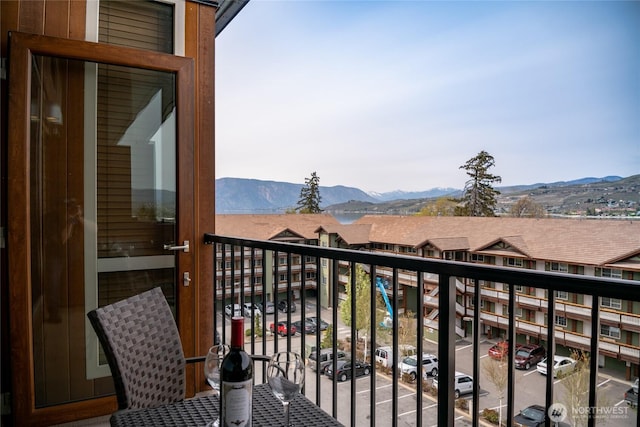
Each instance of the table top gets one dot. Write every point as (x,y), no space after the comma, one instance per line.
(267,411)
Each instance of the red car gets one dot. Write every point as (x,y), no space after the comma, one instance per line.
(500,350)
(529,355)
(283,329)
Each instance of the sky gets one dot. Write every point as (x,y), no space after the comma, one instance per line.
(397,95)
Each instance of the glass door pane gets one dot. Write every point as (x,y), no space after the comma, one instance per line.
(103,205)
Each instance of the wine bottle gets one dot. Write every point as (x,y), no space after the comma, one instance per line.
(236,374)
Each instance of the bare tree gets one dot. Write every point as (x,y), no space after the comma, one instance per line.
(407,333)
(576,396)
(442,206)
(496,372)
(526,207)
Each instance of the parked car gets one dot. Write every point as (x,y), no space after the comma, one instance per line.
(561,366)
(529,355)
(267,307)
(326,358)
(534,416)
(236,311)
(282,329)
(500,350)
(307,328)
(249,308)
(384,355)
(323,325)
(409,366)
(631,397)
(344,370)
(463,384)
(283,306)
(531,416)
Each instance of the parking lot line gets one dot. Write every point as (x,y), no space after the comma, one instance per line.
(414,411)
(463,347)
(530,372)
(604,382)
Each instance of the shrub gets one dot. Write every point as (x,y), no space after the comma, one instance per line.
(462,404)
(491,415)
(407,378)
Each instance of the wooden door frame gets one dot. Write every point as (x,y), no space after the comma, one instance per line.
(22,48)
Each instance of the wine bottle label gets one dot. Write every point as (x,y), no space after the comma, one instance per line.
(236,402)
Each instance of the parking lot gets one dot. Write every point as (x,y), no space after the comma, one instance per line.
(529,389)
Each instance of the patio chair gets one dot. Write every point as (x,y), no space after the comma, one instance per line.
(140,339)
(141,342)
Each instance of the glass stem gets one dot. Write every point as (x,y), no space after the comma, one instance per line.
(286,413)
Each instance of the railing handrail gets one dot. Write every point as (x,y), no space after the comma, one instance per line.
(448,272)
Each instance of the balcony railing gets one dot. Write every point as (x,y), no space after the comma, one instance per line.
(327,263)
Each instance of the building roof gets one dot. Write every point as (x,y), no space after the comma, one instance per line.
(587,242)
(227,10)
(351,234)
(267,227)
(611,243)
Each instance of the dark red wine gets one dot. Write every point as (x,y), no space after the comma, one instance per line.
(236,375)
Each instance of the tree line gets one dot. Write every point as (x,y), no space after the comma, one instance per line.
(479,197)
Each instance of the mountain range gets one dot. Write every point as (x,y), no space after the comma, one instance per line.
(241,195)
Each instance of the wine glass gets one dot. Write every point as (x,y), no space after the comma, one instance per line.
(286,377)
(212,371)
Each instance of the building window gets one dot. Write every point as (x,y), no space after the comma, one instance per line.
(610,331)
(563,295)
(283,278)
(613,303)
(310,275)
(471,302)
(519,312)
(310,259)
(477,258)
(611,272)
(560,267)
(514,262)
(561,321)
(282,260)
(519,288)
(257,262)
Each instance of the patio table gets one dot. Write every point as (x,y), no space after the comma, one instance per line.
(267,411)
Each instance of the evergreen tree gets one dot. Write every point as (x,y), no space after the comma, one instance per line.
(309,201)
(479,198)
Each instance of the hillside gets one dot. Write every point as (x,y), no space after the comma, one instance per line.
(609,195)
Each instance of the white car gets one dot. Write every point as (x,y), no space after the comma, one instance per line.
(463,384)
(561,366)
(237,310)
(248,308)
(409,366)
(384,355)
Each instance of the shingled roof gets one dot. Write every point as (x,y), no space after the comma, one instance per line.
(613,243)
(266,227)
(587,242)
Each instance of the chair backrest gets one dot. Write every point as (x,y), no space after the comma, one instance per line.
(141,342)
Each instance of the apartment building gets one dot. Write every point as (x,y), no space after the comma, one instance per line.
(264,274)
(607,248)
